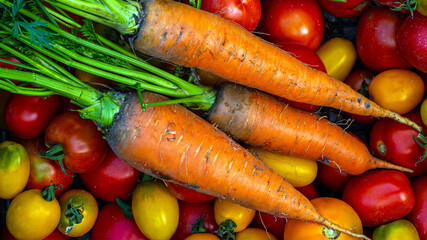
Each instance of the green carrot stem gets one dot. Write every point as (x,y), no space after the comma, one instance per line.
(26,66)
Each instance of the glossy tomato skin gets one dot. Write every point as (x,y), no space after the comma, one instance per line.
(412,41)
(355,80)
(274,225)
(255,234)
(376,39)
(88,206)
(292,20)
(332,178)
(379,196)
(112,224)
(189,213)
(309,191)
(112,179)
(225,210)
(244,13)
(187,194)
(307,56)
(43,170)
(418,215)
(333,209)
(84,146)
(28,116)
(345,9)
(394,142)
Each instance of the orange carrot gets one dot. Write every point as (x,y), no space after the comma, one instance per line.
(174,144)
(260,120)
(190,37)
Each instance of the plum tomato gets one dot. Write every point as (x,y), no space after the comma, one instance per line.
(379,196)
(226,210)
(292,20)
(345,8)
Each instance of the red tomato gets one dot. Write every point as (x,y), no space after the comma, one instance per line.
(309,191)
(418,215)
(28,116)
(380,196)
(269,222)
(84,146)
(43,170)
(307,56)
(394,142)
(245,13)
(112,179)
(190,213)
(7,65)
(187,194)
(356,80)
(412,40)
(376,39)
(112,224)
(292,20)
(332,178)
(345,9)
(395,4)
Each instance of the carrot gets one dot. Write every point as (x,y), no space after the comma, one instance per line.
(261,120)
(172,143)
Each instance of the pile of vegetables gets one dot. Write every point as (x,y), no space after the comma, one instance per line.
(149,143)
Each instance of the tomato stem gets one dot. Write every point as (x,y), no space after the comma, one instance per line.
(48,191)
(74,216)
(226,230)
(126,208)
(422,142)
(197,226)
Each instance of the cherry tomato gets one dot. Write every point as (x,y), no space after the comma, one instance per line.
(112,224)
(399,90)
(309,191)
(76,225)
(422,7)
(4,96)
(292,20)
(345,8)
(8,65)
(400,229)
(43,170)
(418,215)
(14,169)
(112,179)
(155,210)
(84,146)
(28,116)
(255,234)
(380,196)
(333,209)
(187,194)
(376,39)
(245,13)
(225,210)
(339,56)
(307,56)
(412,41)
(423,112)
(359,80)
(202,236)
(197,216)
(402,5)
(55,235)
(31,216)
(394,142)
(332,178)
(274,225)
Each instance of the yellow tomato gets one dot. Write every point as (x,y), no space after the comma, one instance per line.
(254,234)
(332,209)
(155,210)
(86,205)
(225,210)
(14,169)
(399,90)
(339,56)
(400,229)
(30,216)
(423,111)
(297,171)
(202,236)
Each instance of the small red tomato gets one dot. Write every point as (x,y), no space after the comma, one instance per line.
(112,224)
(379,196)
(376,39)
(332,178)
(412,40)
(8,65)
(292,20)
(83,145)
(187,194)
(195,216)
(269,222)
(345,8)
(309,191)
(418,215)
(28,116)
(112,179)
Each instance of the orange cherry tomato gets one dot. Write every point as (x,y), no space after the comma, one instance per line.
(202,236)
(255,234)
(225,210)
(399,90)
(334,210)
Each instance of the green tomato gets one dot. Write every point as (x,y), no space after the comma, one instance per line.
(401,229)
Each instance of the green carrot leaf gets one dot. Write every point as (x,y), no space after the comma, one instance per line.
(37,36)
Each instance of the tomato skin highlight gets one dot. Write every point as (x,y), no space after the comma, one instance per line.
(380,196)
(14,169)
